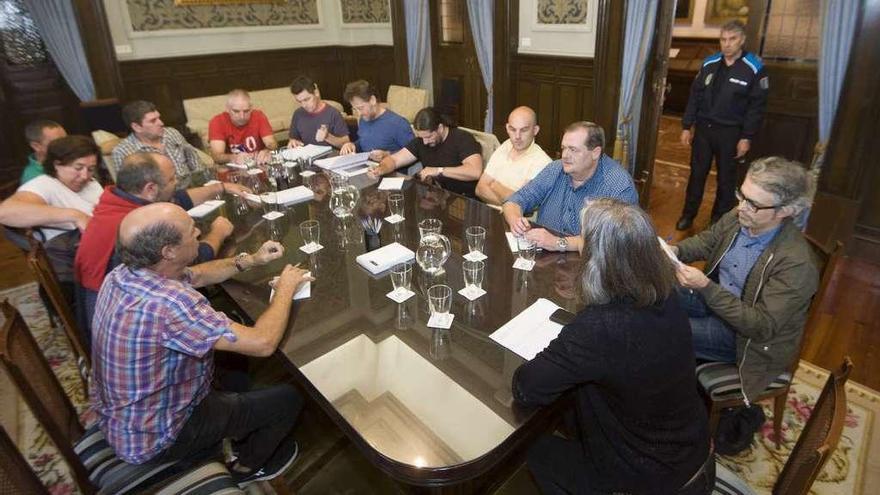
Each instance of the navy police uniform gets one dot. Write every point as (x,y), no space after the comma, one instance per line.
(726,104)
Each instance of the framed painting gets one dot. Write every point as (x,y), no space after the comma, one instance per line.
(684,12)
(720,11)
(189,3)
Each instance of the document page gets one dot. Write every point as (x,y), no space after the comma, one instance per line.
(529,332)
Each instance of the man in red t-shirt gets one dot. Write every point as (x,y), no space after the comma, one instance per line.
(240,132)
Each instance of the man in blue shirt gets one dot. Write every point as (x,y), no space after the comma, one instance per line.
(560,190)
(380,131)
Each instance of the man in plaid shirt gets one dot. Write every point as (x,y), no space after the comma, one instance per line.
(152,347)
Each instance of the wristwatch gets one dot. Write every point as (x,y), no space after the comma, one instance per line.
(238,259)
(562,243)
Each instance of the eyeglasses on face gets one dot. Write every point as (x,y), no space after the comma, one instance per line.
(750,204)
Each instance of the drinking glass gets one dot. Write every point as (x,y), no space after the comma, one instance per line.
(440,299)
(401,277)
(274,227)
(526,248)
(241,205)
(473,273)
(395,204)
(430,226)
(311,232)
(270,201)
(476,238)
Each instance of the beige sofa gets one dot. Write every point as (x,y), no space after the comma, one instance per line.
(277,103)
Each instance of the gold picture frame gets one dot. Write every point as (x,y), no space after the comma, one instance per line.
(720,11)
(193,3)
(684,12)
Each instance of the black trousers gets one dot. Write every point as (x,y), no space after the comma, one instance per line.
(256,421)
(557,465)
(718,142)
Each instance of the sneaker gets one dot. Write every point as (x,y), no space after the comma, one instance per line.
(280,461)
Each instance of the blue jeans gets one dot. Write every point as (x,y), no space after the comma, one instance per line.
(714,339)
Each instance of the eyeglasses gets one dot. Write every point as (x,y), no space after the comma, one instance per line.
(751,205)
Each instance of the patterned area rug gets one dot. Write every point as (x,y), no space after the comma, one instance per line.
(853,468)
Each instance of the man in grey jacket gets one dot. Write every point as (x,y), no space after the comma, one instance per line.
(750,303)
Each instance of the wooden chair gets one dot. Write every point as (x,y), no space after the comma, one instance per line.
(42,269)
(92,462)
(814,447)
(16,475)
(720,384)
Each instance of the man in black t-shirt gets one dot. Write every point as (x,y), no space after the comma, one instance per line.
(450,157)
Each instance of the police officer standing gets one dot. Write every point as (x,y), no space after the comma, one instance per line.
(727,103)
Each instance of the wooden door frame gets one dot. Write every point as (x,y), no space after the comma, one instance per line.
(398,36)
(652,97)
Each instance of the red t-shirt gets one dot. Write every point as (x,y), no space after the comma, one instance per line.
(246,139)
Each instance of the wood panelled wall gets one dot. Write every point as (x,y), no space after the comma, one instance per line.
(167,82)
(559,89)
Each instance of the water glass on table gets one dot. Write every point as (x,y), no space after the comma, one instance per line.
(473,272)
(440,299)
(526,247)
(311,233)
(401,277)
(476,238)
(395,204)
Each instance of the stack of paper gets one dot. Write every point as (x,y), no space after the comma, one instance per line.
(302,292)
(384,258)
(343,161)
(391,184)
(294,195)
(529,332)
(668,251)
(205,208)
(307,151)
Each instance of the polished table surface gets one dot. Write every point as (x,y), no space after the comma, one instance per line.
(427,406)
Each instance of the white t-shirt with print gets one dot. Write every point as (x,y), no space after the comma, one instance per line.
(55,193)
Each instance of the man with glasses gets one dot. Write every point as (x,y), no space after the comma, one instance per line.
(517,161)
(559,191)
(749,305)
(240,133)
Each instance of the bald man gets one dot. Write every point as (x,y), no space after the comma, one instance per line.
(153,340)
(515,162)
(240,133)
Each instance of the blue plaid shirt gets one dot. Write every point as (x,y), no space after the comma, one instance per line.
(559,204)
(741,257)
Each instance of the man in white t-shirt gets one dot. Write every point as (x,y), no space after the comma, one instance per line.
(515,162)
(59,203)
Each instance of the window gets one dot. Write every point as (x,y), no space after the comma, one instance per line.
(20,41)
(792,30)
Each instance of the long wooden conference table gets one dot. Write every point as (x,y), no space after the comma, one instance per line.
(431,408)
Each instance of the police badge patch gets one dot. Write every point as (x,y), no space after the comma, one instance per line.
(709,78)
(764,83)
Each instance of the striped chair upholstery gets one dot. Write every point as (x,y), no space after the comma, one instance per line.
(728,483)
(721,380)
(112,475)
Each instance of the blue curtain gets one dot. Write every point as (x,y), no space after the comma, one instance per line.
(839,18)
(56,21)
(641,16)
(417,17)
(482,16)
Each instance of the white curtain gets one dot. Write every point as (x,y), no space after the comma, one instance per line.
(839,18)
(56,21)
(482,15)
(417,17)
(641,17)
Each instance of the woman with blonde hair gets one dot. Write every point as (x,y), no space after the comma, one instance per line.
(641,426)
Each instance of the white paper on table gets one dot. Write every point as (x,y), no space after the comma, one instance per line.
(255,171)
(529,332)
(511,241)
(302,292)
(360,168)
(392,219)
(391,184)
(668,251)
(400,295)
(253,198)
(294,195)
(307,151)
(239,166)
(440,320)
(524,264)
(384,258)
(343,161)
(312,247)
(475,256)
(211,182)
(472,293)
(306,173)
(204,208)
(273,215)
